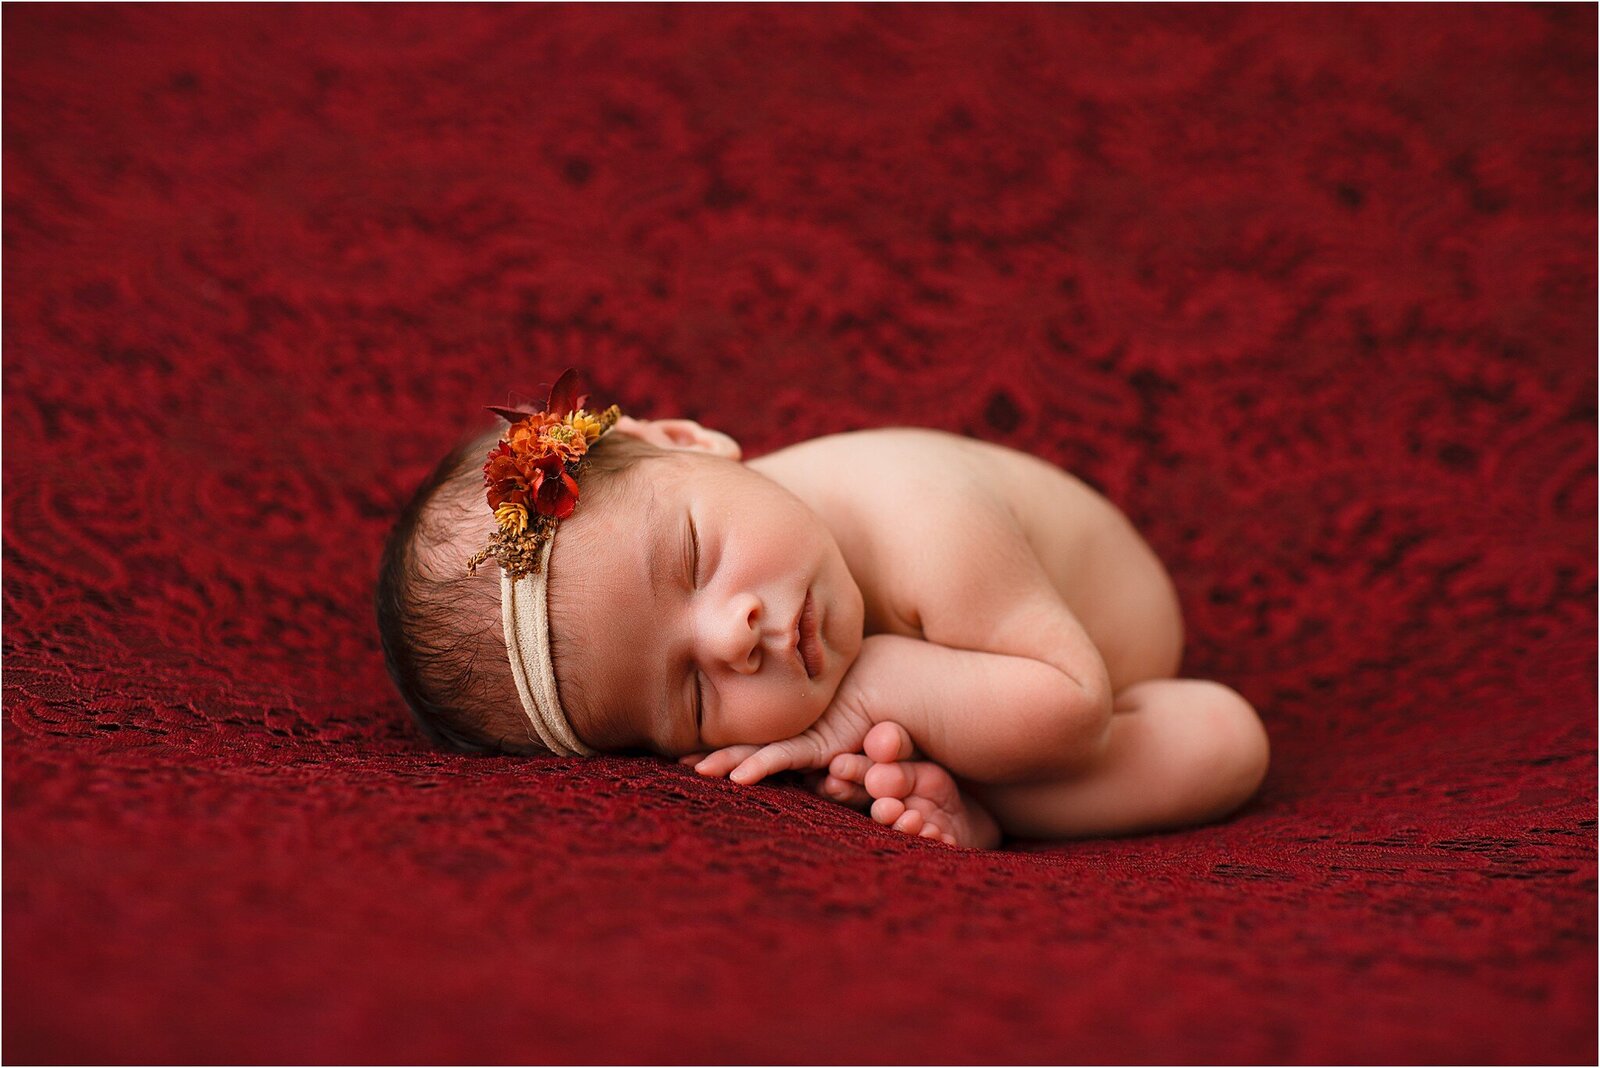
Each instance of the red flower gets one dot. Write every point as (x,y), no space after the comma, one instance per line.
(505,478)
(564,399)
(558,496)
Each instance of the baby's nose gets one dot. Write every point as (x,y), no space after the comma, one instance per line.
(739,634)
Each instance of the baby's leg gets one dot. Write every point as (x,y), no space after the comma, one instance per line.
(1181,752)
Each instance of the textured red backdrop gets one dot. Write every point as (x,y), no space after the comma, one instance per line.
(1310,293)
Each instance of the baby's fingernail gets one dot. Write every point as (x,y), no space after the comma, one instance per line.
(739,775)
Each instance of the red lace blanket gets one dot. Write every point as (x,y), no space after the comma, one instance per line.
(1308,292)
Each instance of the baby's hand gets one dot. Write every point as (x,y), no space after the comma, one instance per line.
(822,782)
(841,728)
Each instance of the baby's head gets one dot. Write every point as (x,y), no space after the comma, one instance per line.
(692,603)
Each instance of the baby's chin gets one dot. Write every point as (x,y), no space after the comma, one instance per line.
(844,625)
(845,659)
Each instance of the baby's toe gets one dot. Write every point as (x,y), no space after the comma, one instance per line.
(888,809)
(889,780)
(910,822)
(851,767)
(888,742)
(934,816)
(846,792)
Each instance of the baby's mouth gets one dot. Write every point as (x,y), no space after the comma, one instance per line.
(809,644)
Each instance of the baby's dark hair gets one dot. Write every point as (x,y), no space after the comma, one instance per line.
(440,627)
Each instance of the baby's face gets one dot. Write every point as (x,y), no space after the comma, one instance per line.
(704,605)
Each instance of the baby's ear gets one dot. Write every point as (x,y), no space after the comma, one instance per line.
(682,434)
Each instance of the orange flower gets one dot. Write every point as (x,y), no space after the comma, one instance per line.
(525,431)
(565,442)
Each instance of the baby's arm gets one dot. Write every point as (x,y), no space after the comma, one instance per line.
(996,717)
(989,717)
(1007,686)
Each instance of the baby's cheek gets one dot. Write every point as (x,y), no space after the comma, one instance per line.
(771,714)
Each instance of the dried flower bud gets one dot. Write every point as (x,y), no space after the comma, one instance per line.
(512,517)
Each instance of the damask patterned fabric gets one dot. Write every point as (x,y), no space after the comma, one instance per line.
(1308,292)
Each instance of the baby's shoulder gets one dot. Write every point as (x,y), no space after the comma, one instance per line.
(900,454)
(926,470)
(923,516)
(909,475)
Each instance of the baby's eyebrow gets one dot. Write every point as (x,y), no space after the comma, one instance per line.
(655,526)
(657,531)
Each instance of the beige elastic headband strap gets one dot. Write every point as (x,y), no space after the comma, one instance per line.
(525,616)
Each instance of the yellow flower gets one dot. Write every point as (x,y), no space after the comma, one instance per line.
(513,518)
(585,423)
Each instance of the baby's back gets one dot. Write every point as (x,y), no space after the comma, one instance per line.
(931,508)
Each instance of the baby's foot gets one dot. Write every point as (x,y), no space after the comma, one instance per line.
(913,796)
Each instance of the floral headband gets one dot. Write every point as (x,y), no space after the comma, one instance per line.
(532,482)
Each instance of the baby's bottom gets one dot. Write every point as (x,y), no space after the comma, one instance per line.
(1180,752)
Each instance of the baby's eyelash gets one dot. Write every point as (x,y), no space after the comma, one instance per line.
(694,538)
(694,571)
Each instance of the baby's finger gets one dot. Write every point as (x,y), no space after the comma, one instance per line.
(754,769)
(888,742)
(786,755)
(692,758)
(718,764)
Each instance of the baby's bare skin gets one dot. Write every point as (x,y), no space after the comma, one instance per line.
(886,780)
(1021,643)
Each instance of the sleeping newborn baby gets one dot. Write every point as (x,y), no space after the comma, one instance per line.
(960,639)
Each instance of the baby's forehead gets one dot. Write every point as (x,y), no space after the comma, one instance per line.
(605,545)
